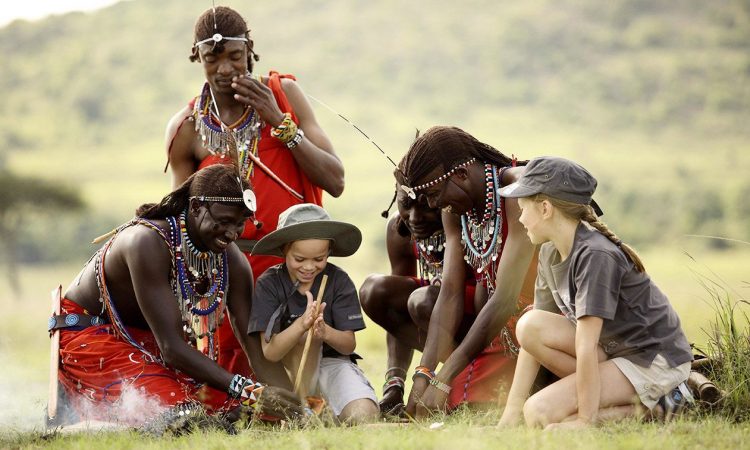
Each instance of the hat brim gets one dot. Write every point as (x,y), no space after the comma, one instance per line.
(516,190)
(345,236)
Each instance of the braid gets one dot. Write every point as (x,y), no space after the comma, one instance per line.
(586,213)
(593,220)
(445,147)
(228,23)
(219,180)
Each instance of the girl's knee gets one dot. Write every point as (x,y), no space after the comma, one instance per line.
(535,412)
(529,327)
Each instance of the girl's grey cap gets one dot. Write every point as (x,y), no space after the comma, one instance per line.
(557,177)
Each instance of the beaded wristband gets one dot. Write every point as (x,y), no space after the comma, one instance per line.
(296,139)
(423,371)
(238,389)
(286,130)
(440,385)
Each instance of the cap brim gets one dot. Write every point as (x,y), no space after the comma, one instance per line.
(345,236)
(516,190)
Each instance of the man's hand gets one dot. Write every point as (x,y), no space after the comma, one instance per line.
(257,95)
(415,396)
(433,400)
(278,402)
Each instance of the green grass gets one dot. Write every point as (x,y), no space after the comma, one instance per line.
(465,432)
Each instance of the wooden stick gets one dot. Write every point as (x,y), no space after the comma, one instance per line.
(54,361)
(308,341)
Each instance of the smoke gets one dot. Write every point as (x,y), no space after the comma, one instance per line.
(132,409)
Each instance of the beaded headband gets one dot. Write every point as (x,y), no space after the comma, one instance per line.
(412,191)
(217,37)
(248,198)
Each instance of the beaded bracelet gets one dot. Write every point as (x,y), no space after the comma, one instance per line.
(238,389)
(423,371)
(286,130)
(296,139)
(440,385)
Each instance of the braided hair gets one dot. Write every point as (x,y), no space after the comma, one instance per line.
(586,213)
(228,22)
(218,180)
(446,147)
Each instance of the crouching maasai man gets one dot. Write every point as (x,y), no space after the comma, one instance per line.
(461,175)
(139,321)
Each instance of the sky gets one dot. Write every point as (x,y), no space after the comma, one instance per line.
(38,9)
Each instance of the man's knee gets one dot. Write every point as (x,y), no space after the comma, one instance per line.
(372,292)
(421,302)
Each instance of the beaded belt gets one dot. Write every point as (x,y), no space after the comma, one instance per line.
(74,321)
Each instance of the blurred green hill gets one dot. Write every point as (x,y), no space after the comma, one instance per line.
(652,96)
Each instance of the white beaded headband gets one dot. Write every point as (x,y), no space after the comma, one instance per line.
(412,191)
(217,37)
(248,198)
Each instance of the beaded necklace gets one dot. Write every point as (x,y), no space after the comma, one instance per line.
(430,257)
(201,312)
(482,238)
(220,139)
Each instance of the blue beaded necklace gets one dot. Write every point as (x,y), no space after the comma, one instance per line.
(201,313)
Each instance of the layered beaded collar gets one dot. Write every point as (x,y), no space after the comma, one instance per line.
(482,238)
(200,282)
(240,138)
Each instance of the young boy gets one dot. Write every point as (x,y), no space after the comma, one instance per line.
(283,311)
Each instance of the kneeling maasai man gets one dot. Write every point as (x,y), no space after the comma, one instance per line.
(137,326)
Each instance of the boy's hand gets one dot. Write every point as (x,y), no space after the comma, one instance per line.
(310,317)
(319,327)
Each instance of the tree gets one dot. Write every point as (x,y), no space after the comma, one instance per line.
(19,196)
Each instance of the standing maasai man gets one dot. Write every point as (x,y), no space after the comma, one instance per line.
(141,317)
(238,116)
(402,303)
(460,175)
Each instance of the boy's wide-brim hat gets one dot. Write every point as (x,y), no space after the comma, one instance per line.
(309,221)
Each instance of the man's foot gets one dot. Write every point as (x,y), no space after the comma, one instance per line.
(392,403)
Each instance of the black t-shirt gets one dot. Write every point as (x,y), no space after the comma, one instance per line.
(276,293)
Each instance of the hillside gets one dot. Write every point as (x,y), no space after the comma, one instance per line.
(653,96)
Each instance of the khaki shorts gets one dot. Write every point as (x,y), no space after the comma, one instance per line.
(653,382)
(340,382)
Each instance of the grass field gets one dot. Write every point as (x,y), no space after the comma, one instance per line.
(24,361)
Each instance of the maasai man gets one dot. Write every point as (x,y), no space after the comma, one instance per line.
(460,175)
(141,316)
(402,303)
(242,117)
